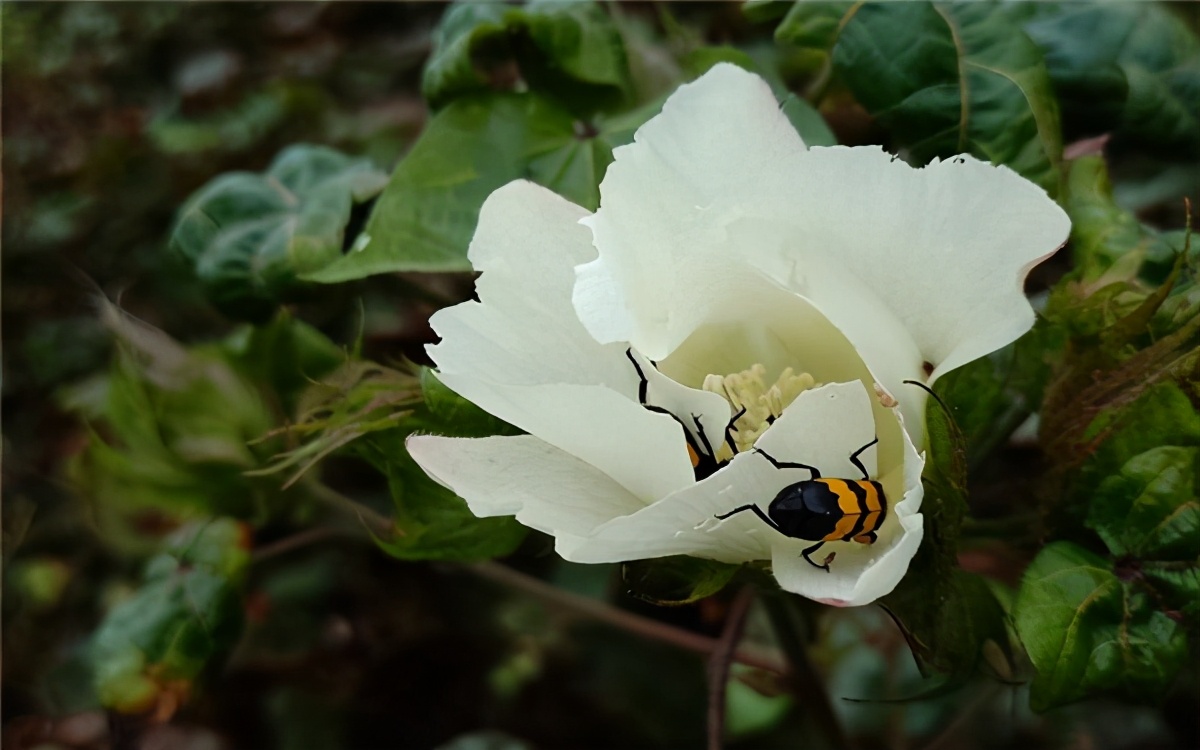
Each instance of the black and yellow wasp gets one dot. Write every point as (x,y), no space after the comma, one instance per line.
(818,509)
(824,509)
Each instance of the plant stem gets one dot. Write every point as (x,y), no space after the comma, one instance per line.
(803,678)
(618,618)
(718,665)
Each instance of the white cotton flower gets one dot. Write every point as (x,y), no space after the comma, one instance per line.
(802,286)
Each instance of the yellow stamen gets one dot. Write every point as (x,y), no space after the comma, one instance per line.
(763,404)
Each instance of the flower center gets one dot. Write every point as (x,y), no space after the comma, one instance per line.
(762,404)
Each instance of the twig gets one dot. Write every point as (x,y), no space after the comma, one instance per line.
(718,665)
(295,541)
(804,680)
(627,621)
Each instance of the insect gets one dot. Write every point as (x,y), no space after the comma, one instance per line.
(824,509)
(700,450)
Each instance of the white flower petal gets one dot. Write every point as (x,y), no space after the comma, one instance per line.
(544,487)
(945,248)
(911,265)
(685,522)
(856,576)
(523,331)
(522,355)
(722,135)
(642,451)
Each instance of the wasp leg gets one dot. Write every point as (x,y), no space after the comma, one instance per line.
(811,550)
(858,464)
(756,511)
(643,383)
(868,538)
(789,465)
(729,428)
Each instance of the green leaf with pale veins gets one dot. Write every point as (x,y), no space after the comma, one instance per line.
(1149,509)
(252,239)
(570,51)
(1132,68)
(944,79)
(427,214)
(1090,633)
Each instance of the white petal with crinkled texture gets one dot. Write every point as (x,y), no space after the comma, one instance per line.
(911,265)
(945,248)
(521,354)
(544,487)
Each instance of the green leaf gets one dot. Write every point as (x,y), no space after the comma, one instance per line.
(808,122)
(252,238)
(944,79)
(368,411)
(570,51)
(285,355)
(1162,416)
(994,395)
(1089,633)
(1149,509)
(1132,68)
(945,614)
(814,25)
(674,581)
(172,428)
(432,522)
(152,647)
(425,218)
(1106,240)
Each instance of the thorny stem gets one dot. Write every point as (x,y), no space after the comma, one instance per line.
(718,665)
(803,678)
(627,621)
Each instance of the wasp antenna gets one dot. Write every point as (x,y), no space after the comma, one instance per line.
(928,390)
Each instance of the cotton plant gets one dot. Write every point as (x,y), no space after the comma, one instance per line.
(741,315)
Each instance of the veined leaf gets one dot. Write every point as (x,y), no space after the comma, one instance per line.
(425,218)
(1090,633)
(944,79)
(152,647)
(252,238)
(571,51)
(1132,68)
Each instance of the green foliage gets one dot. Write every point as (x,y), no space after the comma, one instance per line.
(425,218)
(1106,239)
(808,122)
(992,396)
(1132,68)
(674,581)
(368,410)
(253,238)
(1149,510)
(187,613)
(171,428)
(946,614)
(571,51)
(944,79)
(1090,632)
(433,522)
